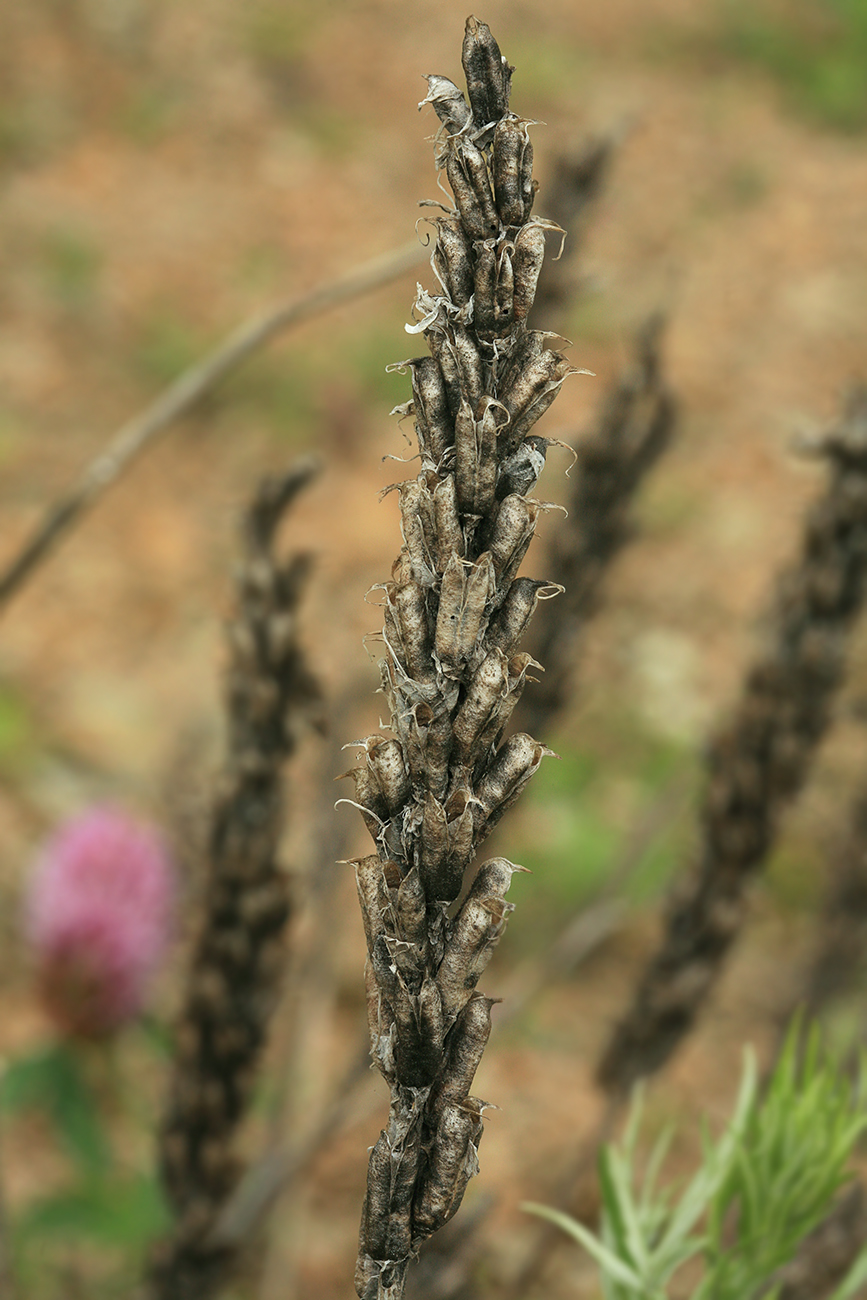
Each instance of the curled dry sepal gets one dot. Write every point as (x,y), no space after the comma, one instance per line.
(761,1189)
(759,762)
(455,612)
(238,956)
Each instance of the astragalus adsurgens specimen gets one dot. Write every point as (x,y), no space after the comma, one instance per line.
(455,611)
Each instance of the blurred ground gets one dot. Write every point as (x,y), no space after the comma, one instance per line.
(167,170)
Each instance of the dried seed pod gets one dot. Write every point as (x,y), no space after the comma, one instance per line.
(516,762)
(494,285)
(512,533)
(417,528)
(512,168)
(449,104)
(433,417)
(470,365)
(473,935)
(529,394)
(451,1165)
(386,761)
(520,471)
(465,601)
(486,690)
(476,456)
(465,1043)
(453,261)
(411,907)
(488,74)
(374,1215)
(446,358)
(510,621)
(450,538)
(369,798)
(527,262)
(376,909)
(445,849)
(438,753)
(410,605)
(467,174)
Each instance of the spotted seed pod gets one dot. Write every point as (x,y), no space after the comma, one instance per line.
(430,400)
(450,537)
(527,260)
(516,762)
(451,1165)
(473,935)
(467,174)
(530,394)
(488,74)
(512,166)
(493,289)
(511,536)
(453,261)
(385,760)
(510,621)
(465,1044)
(466,599)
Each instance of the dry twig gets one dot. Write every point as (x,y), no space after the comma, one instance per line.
(455,611)
(760,761)
(238,958)
(181,396)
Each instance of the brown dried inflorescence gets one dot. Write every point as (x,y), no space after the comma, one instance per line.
(454,613)
(759,762)
(238,957)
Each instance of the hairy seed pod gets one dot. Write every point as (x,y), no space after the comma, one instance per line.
(467,174)
(465,602)
(512,167)
(449,104)
(385,759)
(527,262)
(451,1165)
(512,533)
(430,1016)
(487,73)
(516,762)
(453,260)
(450,538)
(465,1043)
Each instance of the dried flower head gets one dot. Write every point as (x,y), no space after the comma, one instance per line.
(98,915)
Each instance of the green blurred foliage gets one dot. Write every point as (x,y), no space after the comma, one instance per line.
(19,741)
(71,263)
(105,1212)
(815,49)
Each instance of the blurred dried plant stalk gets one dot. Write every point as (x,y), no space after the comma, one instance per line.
(760,761)
(633,429)
(238,958)
(455,612)
(577,179)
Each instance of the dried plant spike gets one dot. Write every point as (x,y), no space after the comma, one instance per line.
(760,760)
(237,959)
(455,612)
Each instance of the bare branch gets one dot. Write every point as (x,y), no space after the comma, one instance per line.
(182,395)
